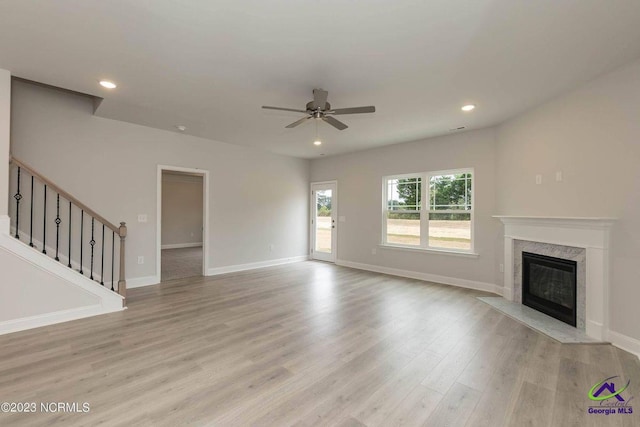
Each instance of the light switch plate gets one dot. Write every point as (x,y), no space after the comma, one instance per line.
(142,217)
(342,219)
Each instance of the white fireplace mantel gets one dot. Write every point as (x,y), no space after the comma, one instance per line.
(592,234)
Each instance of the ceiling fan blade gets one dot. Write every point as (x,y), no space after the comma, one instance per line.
(319,98)
(298,122)
(335,123)
(266,107)
(353,110)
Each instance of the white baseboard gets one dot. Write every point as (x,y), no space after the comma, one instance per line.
(139,282)
(462,283)
(31,322)
(624,342)
(182,245)
(251,266)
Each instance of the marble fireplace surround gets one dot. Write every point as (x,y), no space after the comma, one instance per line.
(579,239)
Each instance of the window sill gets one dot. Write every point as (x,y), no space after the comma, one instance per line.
(430,250)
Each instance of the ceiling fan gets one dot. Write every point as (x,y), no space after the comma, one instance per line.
(319,108)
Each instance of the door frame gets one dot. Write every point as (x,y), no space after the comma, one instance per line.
(205,216)
(334,212)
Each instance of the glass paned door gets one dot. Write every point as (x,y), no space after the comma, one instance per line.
(323,221)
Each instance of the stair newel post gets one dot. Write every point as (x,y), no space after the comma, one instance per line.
(122,282)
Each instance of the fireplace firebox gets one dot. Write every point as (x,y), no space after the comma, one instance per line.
(549,286)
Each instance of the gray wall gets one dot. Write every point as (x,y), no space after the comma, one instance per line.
(257,198)
(181,209)
(359,177)
(592,136)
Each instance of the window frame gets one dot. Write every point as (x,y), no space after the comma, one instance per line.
(424,210)
(385,207)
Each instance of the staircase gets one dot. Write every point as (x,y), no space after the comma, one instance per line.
(54,223)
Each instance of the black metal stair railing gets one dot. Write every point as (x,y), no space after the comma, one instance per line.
(37,237)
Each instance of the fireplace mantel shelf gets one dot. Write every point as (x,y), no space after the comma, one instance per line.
(566,221)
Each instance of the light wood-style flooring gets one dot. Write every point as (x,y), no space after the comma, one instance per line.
(307,344)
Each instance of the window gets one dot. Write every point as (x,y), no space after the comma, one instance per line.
(437,215)
(403,211)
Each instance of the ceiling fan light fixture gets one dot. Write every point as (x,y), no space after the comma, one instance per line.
(468,107)
(108,84)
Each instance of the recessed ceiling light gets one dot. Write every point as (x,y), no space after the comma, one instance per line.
(468,107)
(108,84)
(181,128)
(317,142)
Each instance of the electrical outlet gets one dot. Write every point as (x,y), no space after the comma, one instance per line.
(538,179)
(559,176)
(272,247)
(342,219)
(501,268)
(373,251)
(140,260)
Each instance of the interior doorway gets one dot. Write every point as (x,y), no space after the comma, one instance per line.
(324,210)
(182,223)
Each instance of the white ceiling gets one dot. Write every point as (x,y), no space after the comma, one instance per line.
(210,65)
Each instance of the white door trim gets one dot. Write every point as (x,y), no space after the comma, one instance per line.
(205,216)
(334,215)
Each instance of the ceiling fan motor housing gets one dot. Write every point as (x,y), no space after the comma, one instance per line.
(310,108)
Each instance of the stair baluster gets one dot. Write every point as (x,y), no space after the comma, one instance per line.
(69,248)
(58,221)
(31,216)
(44,223)
(92,242)
(18,196)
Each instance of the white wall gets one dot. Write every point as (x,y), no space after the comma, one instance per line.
(257,198)
(359,177)
(32,291)
(181,209)
(592,136)
(5,114)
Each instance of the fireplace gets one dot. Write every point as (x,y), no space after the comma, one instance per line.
(584,240)
(549,286)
